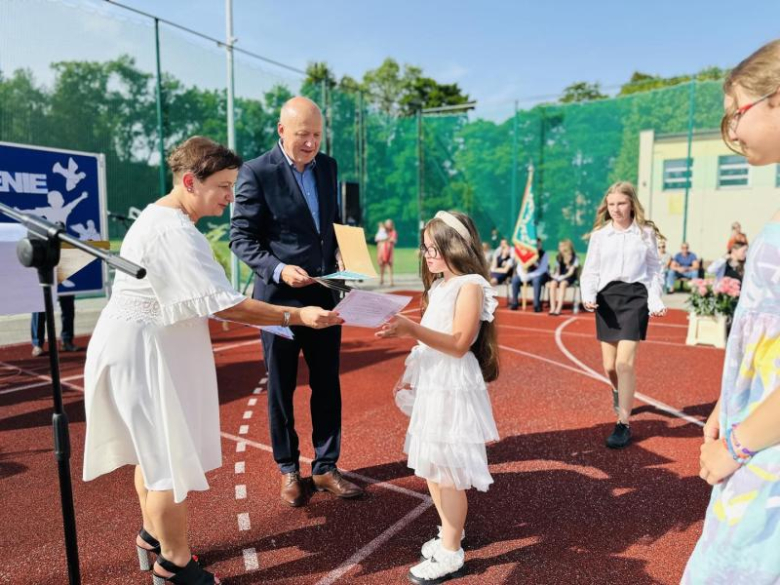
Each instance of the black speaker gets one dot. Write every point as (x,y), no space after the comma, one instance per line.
(351,214)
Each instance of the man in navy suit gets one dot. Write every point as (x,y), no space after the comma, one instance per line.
(282,227)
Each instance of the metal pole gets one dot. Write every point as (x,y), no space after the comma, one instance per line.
(688,160)
(160,129)
(235,267)
(419,170)
(513,216)
(324,99)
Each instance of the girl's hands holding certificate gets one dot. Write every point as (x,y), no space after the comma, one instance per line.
(398,326)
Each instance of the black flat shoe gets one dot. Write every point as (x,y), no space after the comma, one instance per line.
(620,437)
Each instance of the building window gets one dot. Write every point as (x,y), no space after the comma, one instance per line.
(676,174)
(733,171)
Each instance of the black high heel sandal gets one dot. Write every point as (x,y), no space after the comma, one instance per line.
(192,574)
(145,559)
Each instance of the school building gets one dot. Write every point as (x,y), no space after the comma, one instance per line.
(722,188)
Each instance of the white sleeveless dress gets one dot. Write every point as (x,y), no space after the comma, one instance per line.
(446,396)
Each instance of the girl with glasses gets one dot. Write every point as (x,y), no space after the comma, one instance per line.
(740,455)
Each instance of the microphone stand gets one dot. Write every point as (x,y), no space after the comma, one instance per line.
(41,250)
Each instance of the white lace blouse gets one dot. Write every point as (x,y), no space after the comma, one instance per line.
(630,256)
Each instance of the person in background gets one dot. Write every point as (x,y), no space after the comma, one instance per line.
(740,454)
(565,275)
(487,252)
(38,326)
(537,274)
(386,250)
(665,257)
(732,265)
(685,264)
(502,263)
(621,281)
(737,235)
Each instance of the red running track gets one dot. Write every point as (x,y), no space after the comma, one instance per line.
(563,509)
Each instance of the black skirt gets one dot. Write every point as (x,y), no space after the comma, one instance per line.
(622,312)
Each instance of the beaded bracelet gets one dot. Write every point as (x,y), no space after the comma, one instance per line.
(727,441)
(739,447)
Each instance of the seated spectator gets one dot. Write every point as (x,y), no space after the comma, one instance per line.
(502,263)
(537,274)
(487,252)
(665,257)
(732,264)
(737,235)
(564,276)
(685,264)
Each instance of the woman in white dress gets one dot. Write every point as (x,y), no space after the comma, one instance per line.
(150,380)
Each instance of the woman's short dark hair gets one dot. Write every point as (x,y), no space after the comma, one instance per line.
(202,157)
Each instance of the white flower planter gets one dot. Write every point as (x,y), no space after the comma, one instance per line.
(707,330)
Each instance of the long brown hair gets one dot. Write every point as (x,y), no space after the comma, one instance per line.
(637,211)
(463,257)
(759,75)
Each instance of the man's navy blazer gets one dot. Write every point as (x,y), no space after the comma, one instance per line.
(272,223)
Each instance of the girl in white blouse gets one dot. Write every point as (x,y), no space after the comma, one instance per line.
(622,281)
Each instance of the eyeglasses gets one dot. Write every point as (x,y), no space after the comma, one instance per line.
(732,120)
(432,252)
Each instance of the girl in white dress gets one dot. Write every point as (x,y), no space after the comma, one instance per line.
(150,383)
(443,387)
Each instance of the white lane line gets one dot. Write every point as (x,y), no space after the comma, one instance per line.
(40,384)
(590,336)
(247,415)
(252,402)
(372,546)
(548,361)
(235,345)
(257,391)
(593,374)
(243,429)
(250,559)
(240,446)
(240,467)
(241,492)
(263,380)
(243,521)
(529,314)
(44,379)
(350,474)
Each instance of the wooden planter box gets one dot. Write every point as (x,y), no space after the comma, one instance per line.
(707,330)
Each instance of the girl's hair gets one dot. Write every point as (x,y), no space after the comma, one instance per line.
(463,257)
(202,157)
(759,75)
(637,211)
(568,256)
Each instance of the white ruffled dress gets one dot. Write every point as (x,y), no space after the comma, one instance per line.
(446,396)
(150,383)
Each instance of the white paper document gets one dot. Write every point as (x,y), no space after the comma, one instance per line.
(361,308)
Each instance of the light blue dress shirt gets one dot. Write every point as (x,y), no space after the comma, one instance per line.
(308,185)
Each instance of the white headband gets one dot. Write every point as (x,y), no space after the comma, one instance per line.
(455,224)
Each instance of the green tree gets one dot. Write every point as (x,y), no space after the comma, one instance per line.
(582,91)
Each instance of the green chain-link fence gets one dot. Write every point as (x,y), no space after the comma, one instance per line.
(91,83)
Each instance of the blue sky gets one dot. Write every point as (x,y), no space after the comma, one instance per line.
(496,51)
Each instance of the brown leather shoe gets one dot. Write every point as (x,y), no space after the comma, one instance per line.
(334,482)
(295,491)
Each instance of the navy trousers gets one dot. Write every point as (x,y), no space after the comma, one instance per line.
(320,349)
